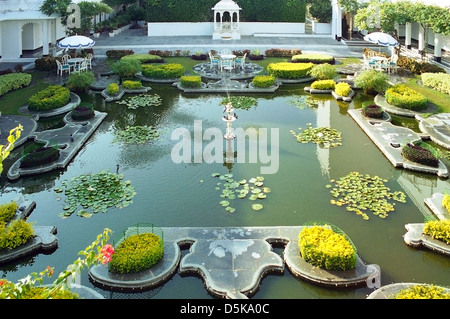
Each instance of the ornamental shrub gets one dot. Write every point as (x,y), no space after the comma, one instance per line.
(418,154)
(13,81)
(41,156)
(372,82)
(324,71)
(373,111)
(46,63)
(143,58)
(79,81)
(117,54)
(421,291)
(404,97)
(446,202)
(132,85)
(14,234)
(324,248)
(42,293)
(437,81)
(163,71)
(126,68)
(288,70)
(438,229)
(323,85)
(263,81)
(51,98)
(342,89)
(112,88)
(137,253)
(7,211)
(316,58)
(191,81)
(282,53)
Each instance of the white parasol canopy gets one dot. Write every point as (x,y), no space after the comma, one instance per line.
(76,42)
(381,38)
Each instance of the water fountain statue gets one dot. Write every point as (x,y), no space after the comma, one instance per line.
(229,118)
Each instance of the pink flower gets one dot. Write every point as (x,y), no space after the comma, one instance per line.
(106,253)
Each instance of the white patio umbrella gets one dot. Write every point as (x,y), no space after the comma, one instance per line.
(381,38)
(76,42)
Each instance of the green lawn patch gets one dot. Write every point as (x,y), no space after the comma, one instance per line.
(437,98)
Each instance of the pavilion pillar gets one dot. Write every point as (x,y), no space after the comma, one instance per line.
(421,44)
(408,35)
(45,39)
(437,47)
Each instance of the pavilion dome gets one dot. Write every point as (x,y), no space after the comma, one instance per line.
(226,5)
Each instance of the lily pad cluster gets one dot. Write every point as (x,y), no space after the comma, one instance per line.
(304,102)
(324,136)
(252,189)
(143,99)
(240,102)
(136,134)
(362,192)
(95,193)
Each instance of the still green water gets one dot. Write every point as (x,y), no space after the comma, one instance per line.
(170,194)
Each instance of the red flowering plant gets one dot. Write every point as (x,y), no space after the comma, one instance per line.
(97,252)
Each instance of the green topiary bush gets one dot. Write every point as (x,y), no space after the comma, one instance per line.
(137,253)
(126,68)
(112,88)
(404,97)
(288,70)
(324,71)
(323,85)
(263,81)
(372,82)
(143,58)
(79,81)
(191,81)
(132,85)
(316,58)
(163,71)
(342,89)
(51,98)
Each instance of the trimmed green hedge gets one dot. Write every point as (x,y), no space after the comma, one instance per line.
(137,253)
(288,70)
(163,71)
(316,58)
(13,81)
(52,97)
(404,97)
(323,85)
(263,81)
(7,211)
(132,85)
(15,234)
(191,81)
(143,58)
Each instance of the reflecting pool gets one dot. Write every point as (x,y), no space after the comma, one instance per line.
(186,194)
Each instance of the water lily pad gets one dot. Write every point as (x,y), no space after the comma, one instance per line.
(230,209)
(224,203)
(257,207)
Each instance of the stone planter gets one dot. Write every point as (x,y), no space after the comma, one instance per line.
(321,28)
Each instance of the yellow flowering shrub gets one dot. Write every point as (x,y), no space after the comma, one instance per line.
(288,70)
(323,85)
(438,229)
(446,202)
(422,292)
(342,89)
(324,248)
